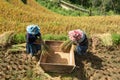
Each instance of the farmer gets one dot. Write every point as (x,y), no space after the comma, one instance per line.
(79,38)
(33,39)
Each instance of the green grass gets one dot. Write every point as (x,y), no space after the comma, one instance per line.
(54,37)
(116,38)
(20,37)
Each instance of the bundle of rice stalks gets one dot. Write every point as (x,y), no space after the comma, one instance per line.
(65,46)
(46,49)
(6,38)
(19,46)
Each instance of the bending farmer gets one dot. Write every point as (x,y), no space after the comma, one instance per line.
(33,39)
(79,38)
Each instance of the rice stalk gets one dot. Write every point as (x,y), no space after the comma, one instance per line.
(65,46)
(46,49)
(6,38)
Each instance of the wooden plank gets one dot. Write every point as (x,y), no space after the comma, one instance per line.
(58,68)
(72,58)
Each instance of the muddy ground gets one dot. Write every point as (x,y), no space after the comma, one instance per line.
(102,64)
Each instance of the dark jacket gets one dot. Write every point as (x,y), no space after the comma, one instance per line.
(84,42)
(30,38)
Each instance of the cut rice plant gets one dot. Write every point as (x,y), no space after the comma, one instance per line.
(65,46)
(46,49)
(106,39)
(19,46)
(6,38)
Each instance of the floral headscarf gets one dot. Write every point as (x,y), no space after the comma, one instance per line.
(75,35)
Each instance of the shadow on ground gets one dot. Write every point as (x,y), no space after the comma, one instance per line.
(95,61)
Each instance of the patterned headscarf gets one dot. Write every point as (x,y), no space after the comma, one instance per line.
(33,29)
(75,35)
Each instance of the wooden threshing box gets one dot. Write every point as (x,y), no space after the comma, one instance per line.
(58,61)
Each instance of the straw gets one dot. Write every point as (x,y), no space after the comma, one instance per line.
(46,49)
(65,46)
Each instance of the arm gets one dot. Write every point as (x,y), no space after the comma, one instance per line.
(30,38)
(38,40)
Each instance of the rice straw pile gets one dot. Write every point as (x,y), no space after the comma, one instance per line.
(6,38)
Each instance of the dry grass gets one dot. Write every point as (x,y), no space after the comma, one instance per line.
(6,38)
(107,39)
